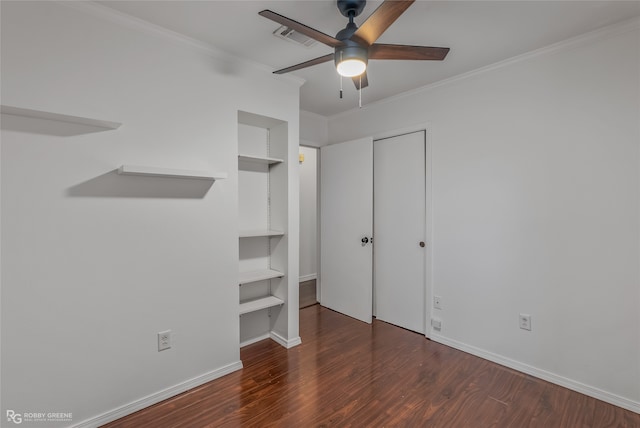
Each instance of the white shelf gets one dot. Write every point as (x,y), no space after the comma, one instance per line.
(38,114)
(152,171)
(258,304)
(263,153)
(258,275)
(259,159)
(254,233)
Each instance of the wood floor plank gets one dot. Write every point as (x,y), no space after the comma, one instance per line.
(553,411)
(608,416)
(350,374)
(525,399)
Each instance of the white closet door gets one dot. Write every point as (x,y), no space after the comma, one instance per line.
(399,230)
(346,197)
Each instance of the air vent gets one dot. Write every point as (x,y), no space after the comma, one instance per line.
(293,36)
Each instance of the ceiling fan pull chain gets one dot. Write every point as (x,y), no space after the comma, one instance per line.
(340,78)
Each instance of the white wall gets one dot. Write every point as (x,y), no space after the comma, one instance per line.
(95,264)
(536,209)
(313,129)
(308,214)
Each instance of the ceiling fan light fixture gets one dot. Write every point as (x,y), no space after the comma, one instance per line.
(351,61)
(351,67)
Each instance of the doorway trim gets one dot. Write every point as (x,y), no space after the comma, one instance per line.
(311,145)
(428,277)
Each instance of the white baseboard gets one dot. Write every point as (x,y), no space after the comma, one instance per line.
(591,391)
(279,339)
(157,397)
(287,343)
(254,340)
(309,277)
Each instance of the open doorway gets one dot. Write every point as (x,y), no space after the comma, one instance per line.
(308,226)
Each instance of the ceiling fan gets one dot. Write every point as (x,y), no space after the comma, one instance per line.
(354,46)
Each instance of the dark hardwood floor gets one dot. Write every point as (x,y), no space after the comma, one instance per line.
(347,373)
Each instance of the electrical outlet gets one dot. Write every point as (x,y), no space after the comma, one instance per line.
(525,322)
(164,340)
(436,324)
(437,302)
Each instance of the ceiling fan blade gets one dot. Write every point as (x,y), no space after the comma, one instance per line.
(365,81)
(380,20)
(306,64)
(385,51)
(301,28)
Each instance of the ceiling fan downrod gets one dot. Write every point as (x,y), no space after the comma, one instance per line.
(351,8)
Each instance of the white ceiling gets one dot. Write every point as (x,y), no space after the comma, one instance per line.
(478,32)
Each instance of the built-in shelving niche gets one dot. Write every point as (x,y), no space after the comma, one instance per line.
(263,249)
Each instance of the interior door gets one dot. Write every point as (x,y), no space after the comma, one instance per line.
(399,230)
(346,225)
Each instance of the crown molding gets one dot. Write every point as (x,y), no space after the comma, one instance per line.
(123,19)
(591,36)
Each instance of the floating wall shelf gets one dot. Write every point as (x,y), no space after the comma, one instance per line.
(258,275)
(38,114)
(259,159)
(255,233)
(258,304)
(152,171)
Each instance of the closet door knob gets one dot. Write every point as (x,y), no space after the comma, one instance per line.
(422,244)
(364,240)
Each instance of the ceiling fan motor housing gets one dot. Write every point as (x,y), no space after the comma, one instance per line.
(351,50)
